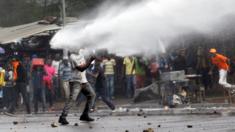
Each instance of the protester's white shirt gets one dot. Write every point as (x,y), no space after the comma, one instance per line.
(83,79)
(79,76)
(82,53)
(56,65)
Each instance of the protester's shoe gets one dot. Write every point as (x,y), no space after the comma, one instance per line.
(112,107)
(63,121)
(86,118)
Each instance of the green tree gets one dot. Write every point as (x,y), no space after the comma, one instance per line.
(16,12)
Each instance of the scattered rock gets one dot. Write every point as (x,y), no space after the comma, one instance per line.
(127,110)
(15,122)
(159,126)
(56,115)
(126,130)
(148,130)
(75,124)
(166,108)
(145,116)
(90,127)
(26,121)
(25,127)
(189,126)
(119,119)
(54,125)
(141,110)
(149,123)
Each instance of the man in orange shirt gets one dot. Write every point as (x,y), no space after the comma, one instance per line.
(222,63)
(15,64)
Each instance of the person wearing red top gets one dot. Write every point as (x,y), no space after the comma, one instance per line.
(48,82)
(222,63)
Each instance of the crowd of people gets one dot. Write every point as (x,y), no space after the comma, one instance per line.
(34,80)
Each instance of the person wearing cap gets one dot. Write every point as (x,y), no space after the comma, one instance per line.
(222,63)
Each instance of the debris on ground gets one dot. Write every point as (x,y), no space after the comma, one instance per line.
(54,125)
(148,130)
(149,123)
(126,130)
(166,108)
(15,122)
(75,124)
(189,126)
(141,114)
(159,126)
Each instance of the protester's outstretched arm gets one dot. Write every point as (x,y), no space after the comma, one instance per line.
(84,67)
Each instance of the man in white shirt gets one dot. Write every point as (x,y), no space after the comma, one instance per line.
(56,80)
(78,83)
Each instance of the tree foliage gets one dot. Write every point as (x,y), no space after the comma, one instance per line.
(16,12)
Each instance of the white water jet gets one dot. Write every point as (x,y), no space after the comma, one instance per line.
(146,27)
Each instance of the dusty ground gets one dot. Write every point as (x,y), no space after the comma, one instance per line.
(183,123)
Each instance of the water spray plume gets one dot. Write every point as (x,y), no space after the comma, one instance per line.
(146,27)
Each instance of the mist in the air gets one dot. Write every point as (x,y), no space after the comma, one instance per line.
(146,27)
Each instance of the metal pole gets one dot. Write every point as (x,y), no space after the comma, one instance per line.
(63,12)
(65,52)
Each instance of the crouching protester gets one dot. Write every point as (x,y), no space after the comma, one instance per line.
(76,86)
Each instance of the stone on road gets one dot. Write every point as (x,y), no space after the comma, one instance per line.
(181,123)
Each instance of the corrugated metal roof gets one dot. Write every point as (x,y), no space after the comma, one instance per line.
(12,34)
